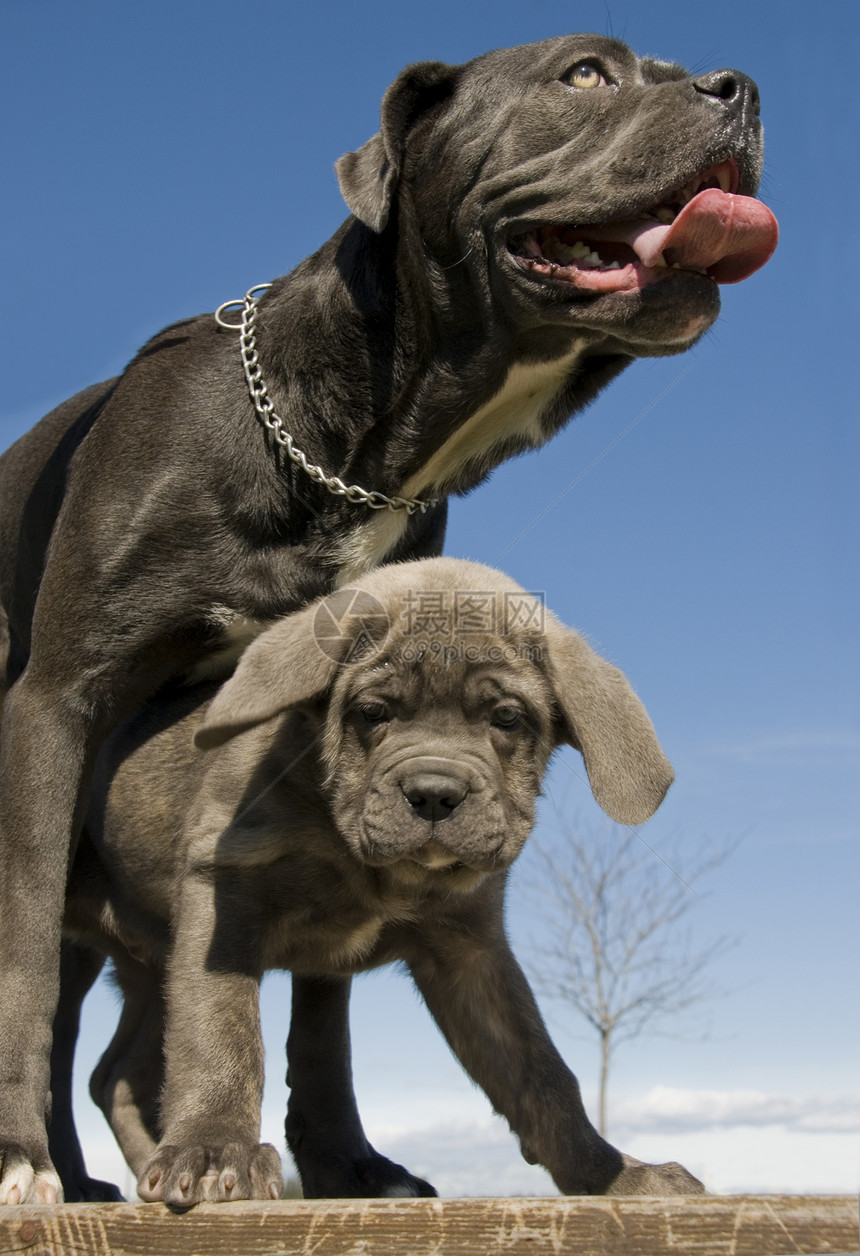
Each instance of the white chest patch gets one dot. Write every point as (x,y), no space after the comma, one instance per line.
(239,632)
(515,410)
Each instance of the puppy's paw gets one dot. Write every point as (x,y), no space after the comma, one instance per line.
(23,1181)
(181,1176)
(637,1178)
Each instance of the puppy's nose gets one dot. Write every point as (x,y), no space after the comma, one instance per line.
(731,87)
(433,796)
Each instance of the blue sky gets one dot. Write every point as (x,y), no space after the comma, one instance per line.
(160,158)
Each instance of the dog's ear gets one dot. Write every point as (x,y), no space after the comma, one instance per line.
(602,717)
(281,668)
(295,661)
(368,177)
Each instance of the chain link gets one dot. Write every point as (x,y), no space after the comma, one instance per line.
(274,424)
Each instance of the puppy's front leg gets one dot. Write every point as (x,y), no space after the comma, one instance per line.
(479,997)
(210,1148)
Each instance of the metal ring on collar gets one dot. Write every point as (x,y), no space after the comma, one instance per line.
(226,306)
(373,499)
(248,299)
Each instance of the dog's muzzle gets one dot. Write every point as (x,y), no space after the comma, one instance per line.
(434,790)
(433,812)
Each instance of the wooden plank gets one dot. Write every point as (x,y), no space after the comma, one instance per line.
(743,1225)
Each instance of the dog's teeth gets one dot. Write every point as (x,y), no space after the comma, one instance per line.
(564,254)
(661,261)
(549,254)
(664,214)
(693,269)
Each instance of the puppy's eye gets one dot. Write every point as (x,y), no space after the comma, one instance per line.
(585,75)
(373,713)
(507,717)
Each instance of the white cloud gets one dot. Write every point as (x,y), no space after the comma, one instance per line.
(737,1141)
(483,1159)
(664,1108)
(464,1158)
(750,1160)
(754,1144)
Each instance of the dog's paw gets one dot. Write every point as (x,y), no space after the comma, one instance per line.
(364,1176)
(23,1183)
(181,1176)
(380,1178)
(92,1191)
(637,1178)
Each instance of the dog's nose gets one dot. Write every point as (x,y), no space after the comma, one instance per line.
(731,87)
(433,796)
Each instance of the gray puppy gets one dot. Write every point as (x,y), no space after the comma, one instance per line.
(369,778)
(523,227)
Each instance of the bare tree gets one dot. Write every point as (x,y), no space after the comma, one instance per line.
(613,939)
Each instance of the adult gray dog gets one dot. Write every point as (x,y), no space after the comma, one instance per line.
(370,777)
(522,227)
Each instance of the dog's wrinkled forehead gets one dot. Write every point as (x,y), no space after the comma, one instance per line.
(443,672)
(449,651)
(500,85)
(442,631)
(550,58)
(535,141)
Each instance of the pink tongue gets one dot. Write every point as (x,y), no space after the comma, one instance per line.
(729,236)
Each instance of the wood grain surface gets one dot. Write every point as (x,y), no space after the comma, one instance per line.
(744,1225)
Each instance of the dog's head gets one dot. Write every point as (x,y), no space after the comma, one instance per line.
(576,184)
(438,691)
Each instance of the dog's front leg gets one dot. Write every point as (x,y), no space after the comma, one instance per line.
(79,968)
(324,1130)
(42,760)
(479,997)
(210,1148)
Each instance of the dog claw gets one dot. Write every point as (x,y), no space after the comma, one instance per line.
(20,1183)
(150,1186)
(187,1175)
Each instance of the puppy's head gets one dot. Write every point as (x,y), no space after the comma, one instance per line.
(440,690)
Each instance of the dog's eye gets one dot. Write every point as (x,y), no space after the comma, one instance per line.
(585,75)
(373,712)
(507,717)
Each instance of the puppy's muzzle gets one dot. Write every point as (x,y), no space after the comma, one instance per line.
(434,789)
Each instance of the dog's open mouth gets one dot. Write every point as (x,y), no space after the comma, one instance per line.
(704,227)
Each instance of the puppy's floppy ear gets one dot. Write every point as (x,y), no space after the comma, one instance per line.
(281,668)
(294,661)
(628,772)
(369,176)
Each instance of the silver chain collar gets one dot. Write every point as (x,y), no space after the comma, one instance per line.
(275,424)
